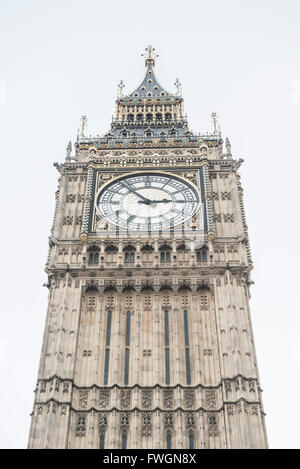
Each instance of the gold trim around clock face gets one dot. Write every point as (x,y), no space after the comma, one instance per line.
(144,200)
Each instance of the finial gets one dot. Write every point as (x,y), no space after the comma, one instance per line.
(83,122)
(69,149)
(215,119)
(150,56)
(120,89)
(178,86)
(228,146)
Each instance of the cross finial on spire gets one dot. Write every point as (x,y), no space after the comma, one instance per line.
(150,56)
(120,90)
(83,123)
(215,119)
(178,86)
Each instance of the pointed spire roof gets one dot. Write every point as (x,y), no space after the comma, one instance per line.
(149,87)
(149,116)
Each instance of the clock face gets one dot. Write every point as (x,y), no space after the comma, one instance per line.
(148,201)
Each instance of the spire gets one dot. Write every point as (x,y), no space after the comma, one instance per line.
(120,89)
(149,88)
(83,123)
(215,120)
(178,87)
(228,148)
(69,150)
(149,115)
(150,56)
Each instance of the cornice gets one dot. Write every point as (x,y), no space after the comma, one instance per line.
(156,409)
(205,271)
(155,386)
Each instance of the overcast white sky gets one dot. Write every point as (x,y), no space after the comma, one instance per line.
(64,58)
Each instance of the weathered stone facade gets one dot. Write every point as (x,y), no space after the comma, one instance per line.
(115,323)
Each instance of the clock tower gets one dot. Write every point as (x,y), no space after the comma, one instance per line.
(148,340)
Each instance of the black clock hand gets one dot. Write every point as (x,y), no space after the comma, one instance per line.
(154,202)
(144,201)
(163,201)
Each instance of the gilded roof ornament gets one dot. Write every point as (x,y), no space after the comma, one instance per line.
(178,87)
(83,123)
(121,86)
(215,120)
(150,56)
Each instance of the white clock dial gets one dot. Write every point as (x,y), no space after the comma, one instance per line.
(148,201)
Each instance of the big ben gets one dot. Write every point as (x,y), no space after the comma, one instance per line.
(148,340)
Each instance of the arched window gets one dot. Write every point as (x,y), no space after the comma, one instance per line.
(124,439)
(102,439)
(169,440)
(167,348)
(91,258)
(165,256)
(107,348)
(202,255)
(129,257)
(187,348)
(127,348)
(191,440)
(93,255)
(168,116)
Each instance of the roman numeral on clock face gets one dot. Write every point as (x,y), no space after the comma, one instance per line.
(131,218)
(128,186)
(164,220)
(178,212)
(120,212)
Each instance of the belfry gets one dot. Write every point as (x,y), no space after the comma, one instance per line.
(148,340)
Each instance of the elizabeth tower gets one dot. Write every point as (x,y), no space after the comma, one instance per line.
(148,340)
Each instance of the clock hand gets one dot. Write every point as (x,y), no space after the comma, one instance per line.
(154,202)
(144,199)
(147,202)
(163,201)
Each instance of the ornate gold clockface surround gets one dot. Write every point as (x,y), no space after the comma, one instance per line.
(145,200)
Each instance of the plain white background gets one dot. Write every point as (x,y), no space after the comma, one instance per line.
(62,59)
